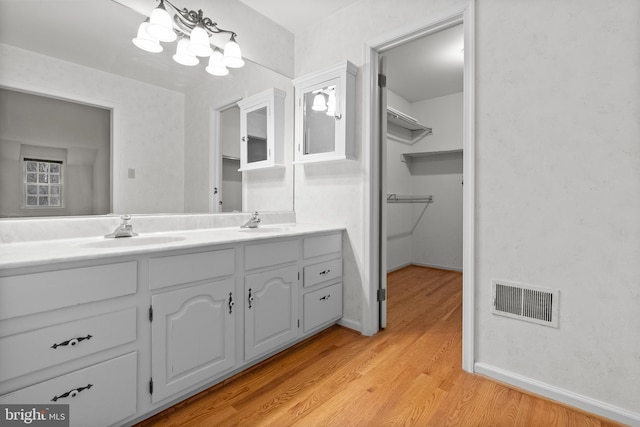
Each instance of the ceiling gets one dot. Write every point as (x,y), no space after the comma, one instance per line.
(425,68)
(295,15)
(428,67)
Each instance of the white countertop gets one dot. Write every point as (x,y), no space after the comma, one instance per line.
(13,255)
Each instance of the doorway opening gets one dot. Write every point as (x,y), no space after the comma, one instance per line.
(377,192)
(227,179)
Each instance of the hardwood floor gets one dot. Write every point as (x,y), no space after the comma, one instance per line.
(409,374)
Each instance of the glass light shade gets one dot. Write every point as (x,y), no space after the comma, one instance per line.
(216,67)
(232,54)
(144,41)
(160,26)
(331,104)
(319,103)
(183,55)
(199,42)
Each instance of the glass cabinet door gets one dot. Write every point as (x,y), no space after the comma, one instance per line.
(325,114)
(262,130)
(256,137)
(319,112)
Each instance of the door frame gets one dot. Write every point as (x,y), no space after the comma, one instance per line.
(373,174)
(215,156)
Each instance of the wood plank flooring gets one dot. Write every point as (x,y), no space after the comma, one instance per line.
(407,375)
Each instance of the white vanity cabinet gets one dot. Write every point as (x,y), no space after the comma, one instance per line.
(192,327)
(119,338)
(321,299)
(271,296)
(325,114)
(67,337)
(262,130)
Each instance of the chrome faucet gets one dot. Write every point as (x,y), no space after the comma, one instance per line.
(253,222)
(125,229)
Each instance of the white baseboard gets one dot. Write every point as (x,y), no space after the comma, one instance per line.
(567,397)
(420,264)
(441,267)
(399,267)
(351,324)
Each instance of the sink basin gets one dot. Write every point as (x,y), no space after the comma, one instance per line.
(126,242)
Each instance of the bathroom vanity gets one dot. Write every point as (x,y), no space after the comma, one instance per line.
(121,329)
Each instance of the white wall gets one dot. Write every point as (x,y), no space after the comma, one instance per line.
(400,220)
(557,179)
(148,129)
(422,234)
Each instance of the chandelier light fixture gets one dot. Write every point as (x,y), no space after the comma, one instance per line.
(192,30)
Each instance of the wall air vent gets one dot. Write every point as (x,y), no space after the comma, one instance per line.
(525,303)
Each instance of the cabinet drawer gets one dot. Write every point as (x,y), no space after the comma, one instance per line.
(177,269)
(41,348)
(38,292)
(322,306)
(322,272)
(322,245)
(268,254)
(100,395)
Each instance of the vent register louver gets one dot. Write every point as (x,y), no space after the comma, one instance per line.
(527,303)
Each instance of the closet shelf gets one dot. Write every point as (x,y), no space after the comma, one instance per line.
(410,156)
(404,128)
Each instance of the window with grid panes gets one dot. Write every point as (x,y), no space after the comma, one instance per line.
(42,183)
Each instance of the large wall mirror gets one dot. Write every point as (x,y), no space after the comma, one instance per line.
(163,120)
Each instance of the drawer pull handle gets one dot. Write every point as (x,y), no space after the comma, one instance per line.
(322,273)
(71,393)
(231,303)
(250,299)
(326,297)
(72,342)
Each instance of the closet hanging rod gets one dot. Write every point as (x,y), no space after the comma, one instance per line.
(395,198)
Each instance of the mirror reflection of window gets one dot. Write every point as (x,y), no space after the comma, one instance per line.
(319,119)
(42,183)
(55,156)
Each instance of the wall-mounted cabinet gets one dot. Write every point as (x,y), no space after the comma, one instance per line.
(325,110)
(262,130)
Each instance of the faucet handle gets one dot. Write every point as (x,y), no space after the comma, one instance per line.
(125,218)
(255,214)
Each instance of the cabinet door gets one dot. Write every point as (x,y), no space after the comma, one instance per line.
(262,130)
(271,310)
(321,119)
(324,115)
(192,336)
(255,135)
